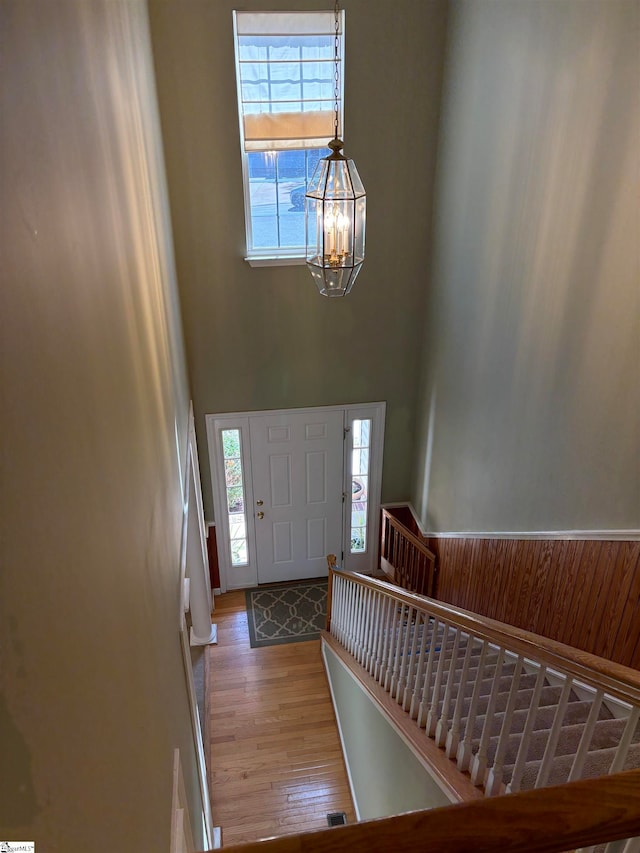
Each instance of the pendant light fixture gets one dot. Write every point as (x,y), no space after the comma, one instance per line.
(335,208)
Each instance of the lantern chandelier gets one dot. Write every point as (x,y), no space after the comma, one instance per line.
(335,208)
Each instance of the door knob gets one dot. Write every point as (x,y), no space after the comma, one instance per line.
(259,503)
(260,515)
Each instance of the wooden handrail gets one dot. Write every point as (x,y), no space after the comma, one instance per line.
(405,557)
(546,820)
(619,681)
(411,537)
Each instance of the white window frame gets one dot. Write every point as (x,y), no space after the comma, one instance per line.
(364,561)
(275,255)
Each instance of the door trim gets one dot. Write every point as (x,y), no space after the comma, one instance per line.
(240,420)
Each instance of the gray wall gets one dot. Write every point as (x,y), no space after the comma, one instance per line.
(94,403)
(529,396)
(387,778)
(264,338)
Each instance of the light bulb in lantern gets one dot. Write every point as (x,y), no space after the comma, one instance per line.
(336,235)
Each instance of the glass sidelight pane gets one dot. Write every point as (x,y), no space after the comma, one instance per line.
(234,484)
(361,430)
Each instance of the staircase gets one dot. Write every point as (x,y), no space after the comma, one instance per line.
(512,711)
(532,727)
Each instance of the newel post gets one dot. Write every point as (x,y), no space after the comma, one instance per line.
(331,564)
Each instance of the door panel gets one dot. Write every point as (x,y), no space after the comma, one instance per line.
(297,471)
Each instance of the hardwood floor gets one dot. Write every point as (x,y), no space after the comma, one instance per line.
(275,760)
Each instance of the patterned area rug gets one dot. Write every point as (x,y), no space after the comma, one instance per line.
(288,613)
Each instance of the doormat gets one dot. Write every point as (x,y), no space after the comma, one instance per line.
(286,613)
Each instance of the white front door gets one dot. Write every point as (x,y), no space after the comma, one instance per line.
(297,473)
(288,489)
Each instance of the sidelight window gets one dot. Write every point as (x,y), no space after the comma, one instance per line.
(235,492)
(361,430)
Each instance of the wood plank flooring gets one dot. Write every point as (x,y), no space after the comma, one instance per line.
(275,761)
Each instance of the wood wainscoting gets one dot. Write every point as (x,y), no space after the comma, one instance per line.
(581,592)
(585,593)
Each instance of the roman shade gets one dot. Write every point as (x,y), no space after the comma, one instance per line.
(286,73)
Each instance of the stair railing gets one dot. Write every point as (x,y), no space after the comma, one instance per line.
(405,558)
(551,820)
(458,676)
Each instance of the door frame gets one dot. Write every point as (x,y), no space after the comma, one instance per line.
(215,423)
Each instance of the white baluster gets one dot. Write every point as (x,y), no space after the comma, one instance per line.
(388,619)
(373,622)
(413,659)
(425,699)
(365,626)
(374,636)
(632,845)
(432,715)
(357,603)
(396,646)
(442,726)
(391,642)
(585,740)
(554,735)
(465,754)
(382,638)
(418,686)
(360,622)
(494,777)
(337,608)
(346,592)
(523,749)
(479,762)
(351,605)
(398,690)
(453,734)
(625,741)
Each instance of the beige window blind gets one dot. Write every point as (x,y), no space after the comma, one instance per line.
(286,79)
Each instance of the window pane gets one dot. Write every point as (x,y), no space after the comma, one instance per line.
(238,552)
(360,461)
(277,186)
(234,487)
(233,472)
(231,442)
(361,433)
(237,526)
(361,429)
(358,540)
(235,499)
(286,94)
(359,489)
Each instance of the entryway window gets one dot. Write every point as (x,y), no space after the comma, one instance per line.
(360,484)
(285,74)
(234,484)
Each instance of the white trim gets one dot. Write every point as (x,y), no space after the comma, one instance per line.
(275,260)
(190,469)
(207,816)
(376,413)
(340,734)
(622,535)
(181,834)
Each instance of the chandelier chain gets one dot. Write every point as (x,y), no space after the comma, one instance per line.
(336,90)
